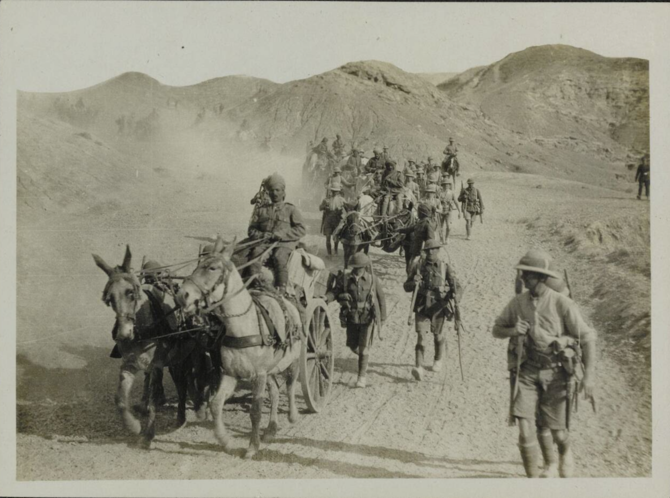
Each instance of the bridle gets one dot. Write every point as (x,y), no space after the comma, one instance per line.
(130,316)
(223,279)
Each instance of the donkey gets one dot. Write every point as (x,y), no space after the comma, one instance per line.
(141,318)
(217,286)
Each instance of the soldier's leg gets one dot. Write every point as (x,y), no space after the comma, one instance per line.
(364,346)
(352,337)
(422,327)
(524,410)
(639,189)
(437,326)
(468,224)
(280,263)
(552,415)
(646,188)
(253,255)
(546,440)
(328,247)
(336,242)
(447,221)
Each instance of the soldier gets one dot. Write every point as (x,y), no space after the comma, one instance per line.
(333,212)
(551,335)
(421,181)
(642,177)
(354,163)
(431,200)
(418,233)
(280,223)
(410,184)
(363,306)
(429,165)
(450,150)
(375,163)
(473,205)
(433,175)
(338,147)
(448,199)
(436,286)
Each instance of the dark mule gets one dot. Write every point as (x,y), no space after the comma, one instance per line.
(141,318)
(451,167)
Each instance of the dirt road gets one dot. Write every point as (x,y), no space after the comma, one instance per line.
(396,427)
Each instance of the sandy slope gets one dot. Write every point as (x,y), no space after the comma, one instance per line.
(394,428)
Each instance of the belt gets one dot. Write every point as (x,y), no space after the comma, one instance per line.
(542,361)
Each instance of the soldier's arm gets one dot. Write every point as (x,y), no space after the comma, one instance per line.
(297,229)
(410,283)
(505,325)
(638,174)
(255,231)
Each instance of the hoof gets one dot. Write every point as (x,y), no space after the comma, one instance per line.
(417,373)
(361,382)
(250,453)
(437,366)
(141,408)
(134,426)
(144,443)
(293,417)
(179,423)
(201,413)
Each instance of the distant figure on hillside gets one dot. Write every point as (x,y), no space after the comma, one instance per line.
(121,124)
(642,177)
(200,117)
(473,205)
(450,150)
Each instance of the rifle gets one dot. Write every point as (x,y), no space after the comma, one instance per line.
(591,398)
(518,289)
(375,302)
(458,325)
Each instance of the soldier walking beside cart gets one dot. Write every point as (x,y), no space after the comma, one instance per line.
(363,309)
(547,336)
(473,205)
(436,293)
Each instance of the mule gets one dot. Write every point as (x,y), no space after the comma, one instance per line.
(141,318)
(356,235)
(451,167)
(216,286)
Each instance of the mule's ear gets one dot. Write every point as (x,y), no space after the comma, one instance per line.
(219,245)
(230,249)
(126,260)
(102,265)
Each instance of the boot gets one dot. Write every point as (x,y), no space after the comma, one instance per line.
(417,371)
(550,461)
(530,455)
(362,370)
(566,466)
(439,348)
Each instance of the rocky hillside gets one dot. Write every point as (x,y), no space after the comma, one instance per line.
(437,78)
(562,94)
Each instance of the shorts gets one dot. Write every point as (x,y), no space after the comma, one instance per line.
(359,336)
(542,396)
(426,324)
(469,216)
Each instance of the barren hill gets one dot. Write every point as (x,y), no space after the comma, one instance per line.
(437,78)
(557,92)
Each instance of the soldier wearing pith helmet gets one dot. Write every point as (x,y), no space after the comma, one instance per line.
(550,337)
(473,205)
(363,307)
(436,287)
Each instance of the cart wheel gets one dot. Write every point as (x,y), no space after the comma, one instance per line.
(317,361)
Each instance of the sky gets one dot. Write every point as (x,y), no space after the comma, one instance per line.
(61,46)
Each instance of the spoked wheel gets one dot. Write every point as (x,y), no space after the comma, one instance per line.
(317,360)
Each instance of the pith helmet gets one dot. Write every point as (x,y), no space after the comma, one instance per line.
(337,169)
(470,181)
(432,244)
(538,262)
(445,180)
(409,173)
(360,260)
(431,188)
(151,265)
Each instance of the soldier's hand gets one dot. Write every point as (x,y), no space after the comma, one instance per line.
(344,297)
(587,385)
(522,327)
(417,279)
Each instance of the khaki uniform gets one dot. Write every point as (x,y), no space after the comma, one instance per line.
(282,222)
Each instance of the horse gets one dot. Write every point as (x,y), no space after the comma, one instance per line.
(244,351)
(141,320)
(451,167)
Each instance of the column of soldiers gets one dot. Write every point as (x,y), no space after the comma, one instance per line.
(551,352)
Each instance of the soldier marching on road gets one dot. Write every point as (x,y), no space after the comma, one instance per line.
(436,293)
(448,199)
(333,208)
(547,336)
(363,309)
(473,205)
